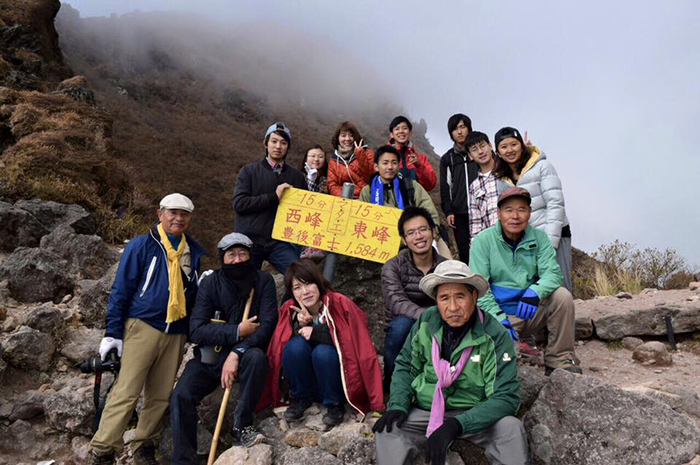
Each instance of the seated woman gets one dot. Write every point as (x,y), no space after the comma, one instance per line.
(318,332)
(389,188)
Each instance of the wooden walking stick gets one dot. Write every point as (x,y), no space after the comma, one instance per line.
(227,393)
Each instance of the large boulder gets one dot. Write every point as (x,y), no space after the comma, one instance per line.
(53,214)
(81,344)
(27,406)
(359,450)
(259,454)
(88,256)
(94,298)
(28,349)
(642,315)
(36,275)
(309,456)
(334,439)
(532,380)
(652,353)
(582,420)
(18,228)
(71,409)
(47,319)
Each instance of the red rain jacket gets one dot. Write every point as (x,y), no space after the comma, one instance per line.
(360,373)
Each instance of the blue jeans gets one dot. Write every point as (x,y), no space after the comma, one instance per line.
(279,254)
(396,334)
(313,371)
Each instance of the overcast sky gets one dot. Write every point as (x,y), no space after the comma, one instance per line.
(609,90)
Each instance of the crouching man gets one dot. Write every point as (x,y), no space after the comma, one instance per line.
(147,319)
(455,377)
(229,347)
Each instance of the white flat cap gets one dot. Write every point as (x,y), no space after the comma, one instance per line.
(176,202)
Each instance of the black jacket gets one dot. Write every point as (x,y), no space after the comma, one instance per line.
(215,293)
(255,201)
(455,200)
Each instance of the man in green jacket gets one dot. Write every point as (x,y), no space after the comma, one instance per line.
(456,376)
(525,292)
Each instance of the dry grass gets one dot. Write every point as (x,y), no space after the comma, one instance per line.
(603,284)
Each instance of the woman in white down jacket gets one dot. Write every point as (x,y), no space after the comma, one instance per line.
(526,166)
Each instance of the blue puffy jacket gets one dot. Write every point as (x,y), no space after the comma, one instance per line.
(140,289)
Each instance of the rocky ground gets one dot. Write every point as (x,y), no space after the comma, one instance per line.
(638,401)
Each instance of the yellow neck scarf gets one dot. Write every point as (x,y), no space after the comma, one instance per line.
(177,307)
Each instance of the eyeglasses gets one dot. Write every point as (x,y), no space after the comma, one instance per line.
(413,232)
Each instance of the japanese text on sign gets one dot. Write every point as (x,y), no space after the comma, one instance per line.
(344,226)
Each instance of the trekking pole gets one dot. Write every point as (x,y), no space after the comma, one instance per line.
(331,257)
(227,393)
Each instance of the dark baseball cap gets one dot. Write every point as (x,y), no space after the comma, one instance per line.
(514,192)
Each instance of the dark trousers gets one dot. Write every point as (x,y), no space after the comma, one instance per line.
(279,254)
(198,381)
(462,236)
(313,371)
(396,334)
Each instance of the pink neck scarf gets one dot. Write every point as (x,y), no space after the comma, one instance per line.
(446,375)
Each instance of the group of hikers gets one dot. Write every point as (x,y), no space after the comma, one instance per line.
(452,328)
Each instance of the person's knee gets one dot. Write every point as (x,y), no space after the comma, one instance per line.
(256,358)
(296,347)
(324,355)
(510,426)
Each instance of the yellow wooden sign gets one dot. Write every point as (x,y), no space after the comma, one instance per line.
(344,226)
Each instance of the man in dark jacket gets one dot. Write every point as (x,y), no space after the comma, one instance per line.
(147,319)
(457,171)
(403,299)
(228,347)
(259,188)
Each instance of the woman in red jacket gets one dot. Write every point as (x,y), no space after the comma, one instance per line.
(351,162)
(322,346)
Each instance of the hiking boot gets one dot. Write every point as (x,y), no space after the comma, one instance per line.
(146,455)
(101,459)
(296,410)
(334,415)
(568,366)
(528,350)
(246,437)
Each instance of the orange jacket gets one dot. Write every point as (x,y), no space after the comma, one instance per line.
(356,170)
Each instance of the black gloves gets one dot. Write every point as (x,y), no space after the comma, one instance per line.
(389,417)
(440,440)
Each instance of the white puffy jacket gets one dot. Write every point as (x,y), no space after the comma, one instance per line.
(540,179)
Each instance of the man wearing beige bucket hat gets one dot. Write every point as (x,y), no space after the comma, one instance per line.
(456,376)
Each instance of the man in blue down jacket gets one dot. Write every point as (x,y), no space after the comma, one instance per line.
(217,322)
(147,321)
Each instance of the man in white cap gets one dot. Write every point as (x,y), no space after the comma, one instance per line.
(217,322)
(456,378)
(258,191)
(147,322)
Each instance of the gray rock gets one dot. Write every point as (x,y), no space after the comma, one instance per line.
(53,214)
(583,327)
(259,454)
(470,453)
(532,380)
(631,343)
(28,349)
(81,448)
(81,344)
(309,456)
(623,295)
(18,228)
(614,319)
(88,256)
(27,406)
(71,410)
(652,353)
(93,301)
(359,450)
(452,458)
(36,275)
(3,368)
(334,439)
(47,319)
(582,420)
(678,398)
(22,436)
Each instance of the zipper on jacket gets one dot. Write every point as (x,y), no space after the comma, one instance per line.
(149,275)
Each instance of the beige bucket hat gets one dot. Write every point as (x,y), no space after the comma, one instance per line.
(453,272)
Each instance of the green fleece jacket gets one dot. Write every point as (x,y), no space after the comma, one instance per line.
(488,388)
(532,265)
(421,198)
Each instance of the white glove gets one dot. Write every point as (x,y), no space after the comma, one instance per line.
(109,343)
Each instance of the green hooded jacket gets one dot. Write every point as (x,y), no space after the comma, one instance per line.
(488,388)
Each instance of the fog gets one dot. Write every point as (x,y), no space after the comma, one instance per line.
(607,89)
